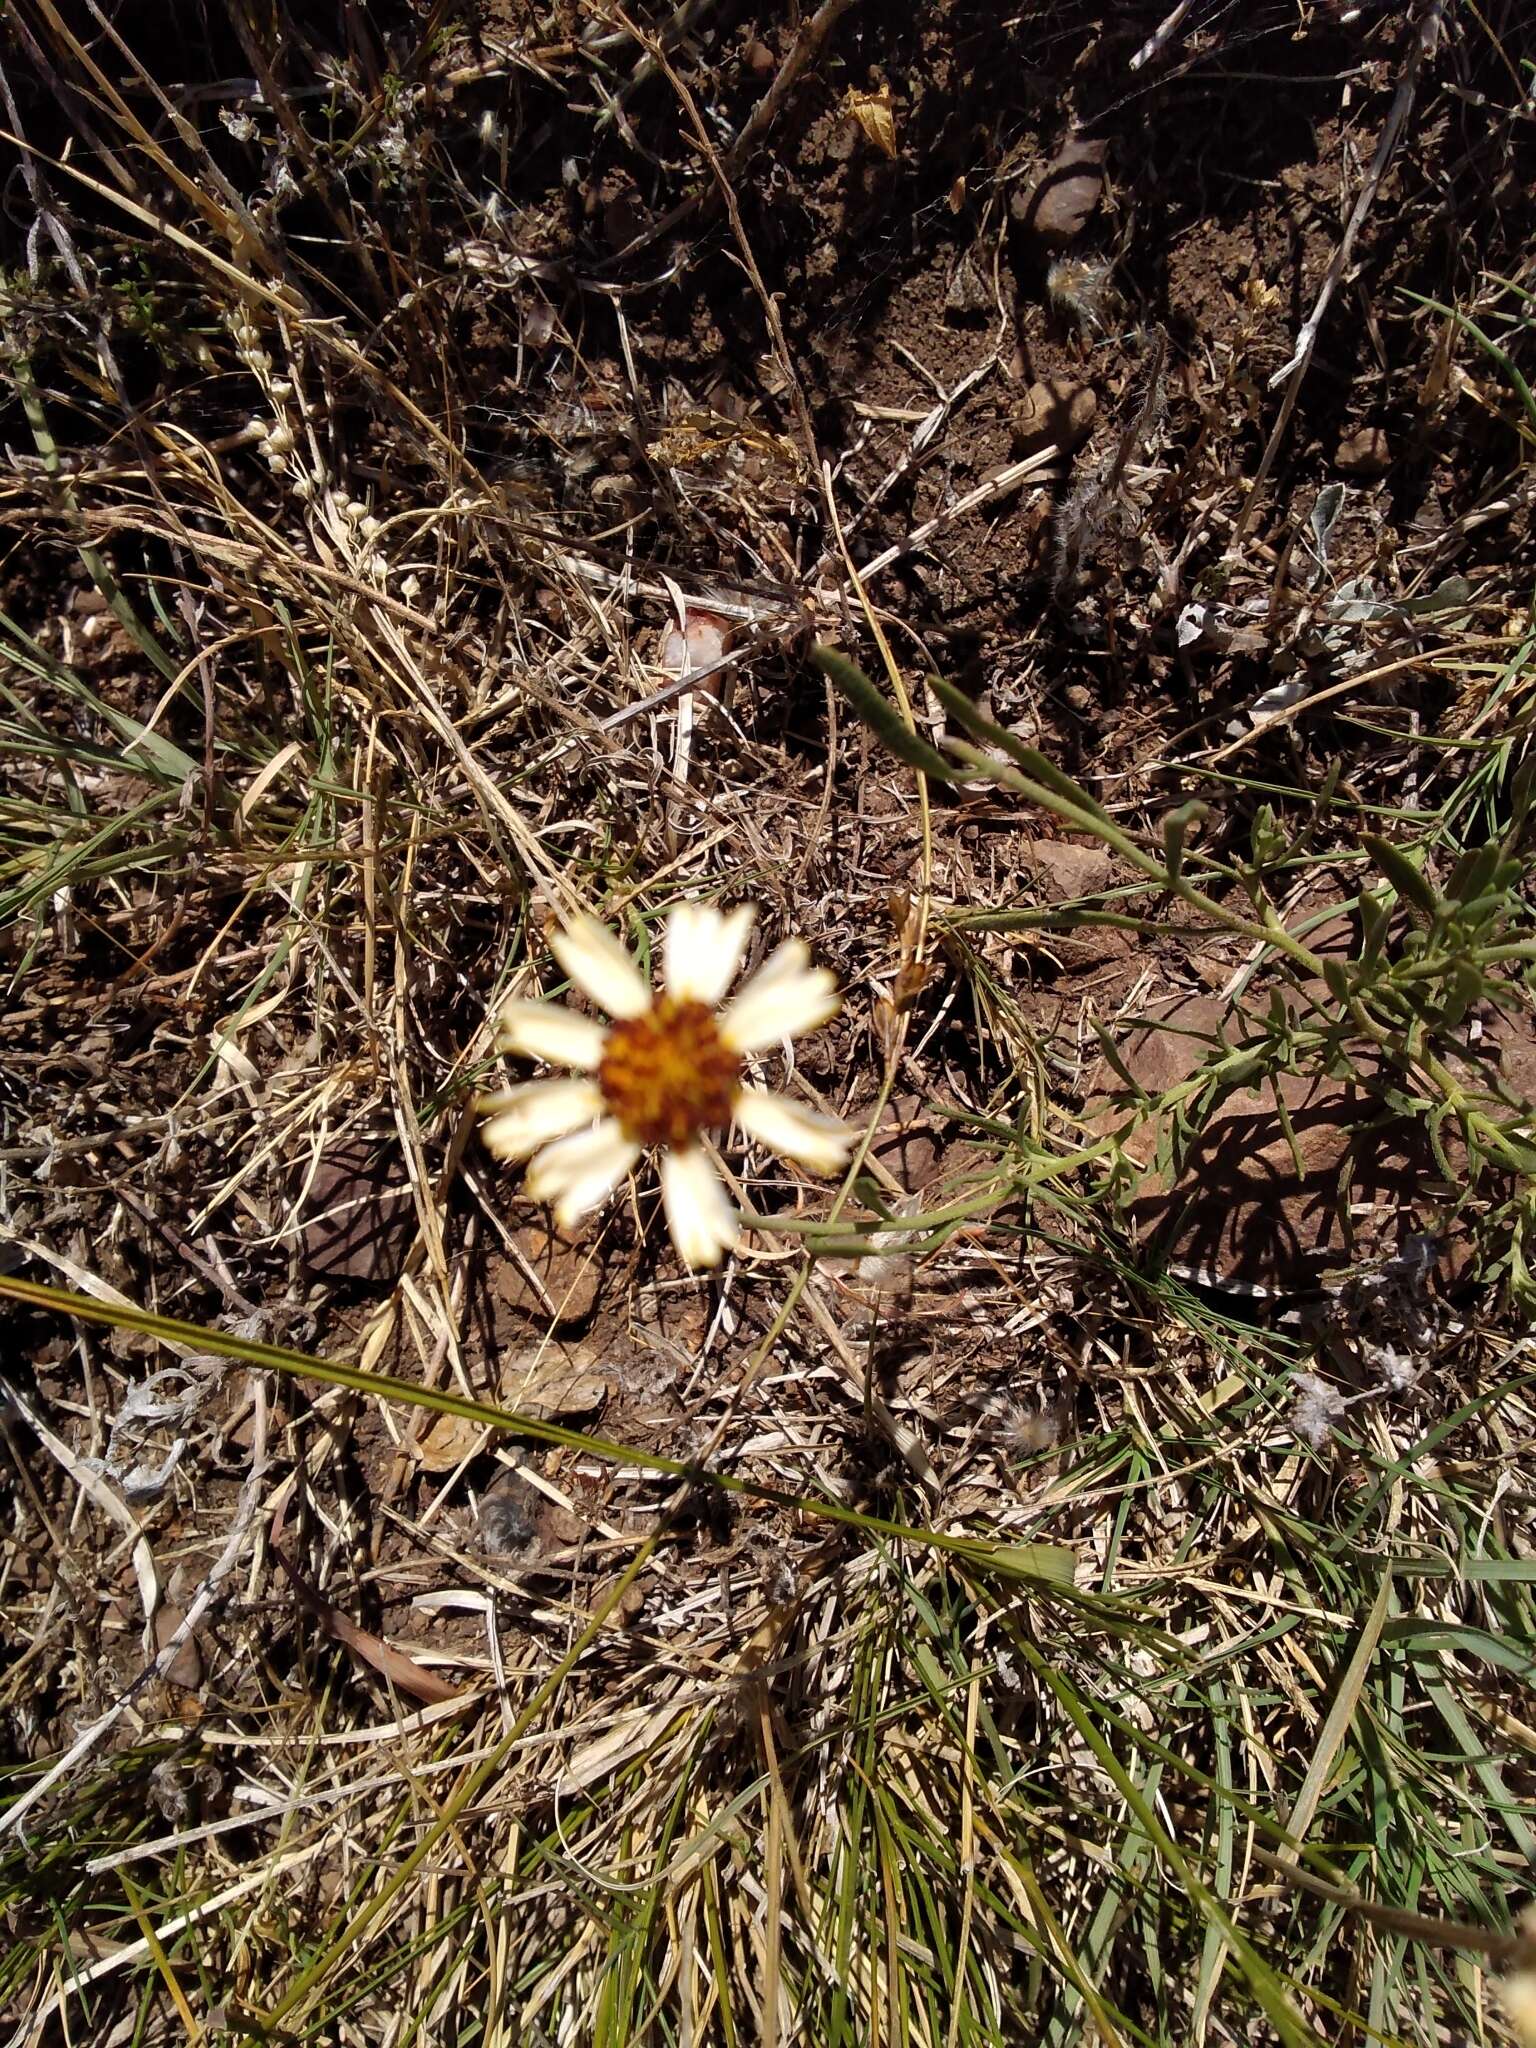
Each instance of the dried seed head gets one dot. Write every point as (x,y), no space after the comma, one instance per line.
(1081,289)
(507,1522)
(1022,1432)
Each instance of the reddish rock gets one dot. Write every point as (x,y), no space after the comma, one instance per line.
(556,1279)
(908,1144)
(359,1215)
(1055,412)
(1069,868)
(185,1670)
(1244,1210)
(1364,453)
(1066,195)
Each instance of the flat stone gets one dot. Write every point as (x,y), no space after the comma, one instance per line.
(969,290)
(908,1144)
(447,1441)
(624,219)
(185,1670)
(1069,868)
(549,1381)
(684,651)
(359,1216)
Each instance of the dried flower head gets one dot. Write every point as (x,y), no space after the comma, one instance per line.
(1081,290)
(1319,1408)
(875,113)
(667,1070)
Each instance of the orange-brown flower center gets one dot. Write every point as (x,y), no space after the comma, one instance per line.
(667,1075)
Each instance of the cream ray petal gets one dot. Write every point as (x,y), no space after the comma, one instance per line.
(549,1031)
(576,1174)
(821,1144)
(699,1214)
(601,968)
(783,998)
(525,1118)
(703,949)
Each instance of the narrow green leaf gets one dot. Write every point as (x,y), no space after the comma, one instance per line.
(1522,787)
(1401,873)
(1034,764)
(154,751)
(1027,1561)
(882,717)
(1510,1810)
(1490,348)
(1460,1639)
(1048,917)
(1336,974)
(1041,1562)
(1341,1713)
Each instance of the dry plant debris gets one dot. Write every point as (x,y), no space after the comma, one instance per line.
(1037,503)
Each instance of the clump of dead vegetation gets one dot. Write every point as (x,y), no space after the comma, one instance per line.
(1071,1573)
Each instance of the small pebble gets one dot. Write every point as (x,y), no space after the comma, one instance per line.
(1065,197)
(185,1669)
(624,220)
(1365,452)
(1054,411)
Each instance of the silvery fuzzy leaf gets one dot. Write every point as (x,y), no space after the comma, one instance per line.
(1325,517)
(1191,624)
(1279,697)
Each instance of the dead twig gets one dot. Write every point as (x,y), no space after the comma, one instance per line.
(813,34)
(1422,42)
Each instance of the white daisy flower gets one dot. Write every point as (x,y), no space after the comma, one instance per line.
(667,1069)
